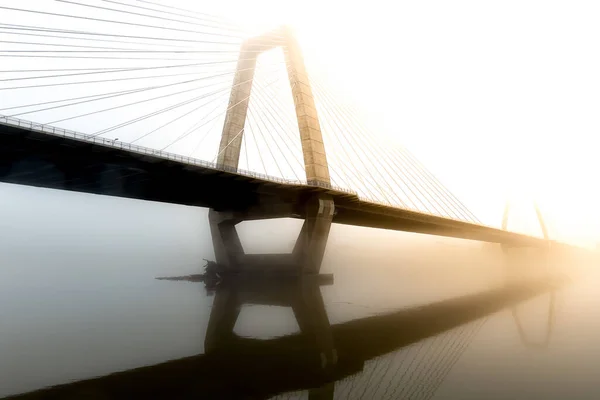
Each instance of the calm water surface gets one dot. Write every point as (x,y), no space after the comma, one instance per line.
(403,318)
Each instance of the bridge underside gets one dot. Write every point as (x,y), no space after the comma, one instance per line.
(37,159)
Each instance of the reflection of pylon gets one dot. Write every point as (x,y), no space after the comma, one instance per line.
(551,314)
(549,327)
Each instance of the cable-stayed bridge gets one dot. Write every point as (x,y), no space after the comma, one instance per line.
(152,102)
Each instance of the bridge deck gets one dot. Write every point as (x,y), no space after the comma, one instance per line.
(45,156)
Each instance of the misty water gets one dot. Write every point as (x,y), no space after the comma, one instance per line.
(79,299)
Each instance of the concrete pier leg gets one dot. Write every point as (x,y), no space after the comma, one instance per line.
(307,256)
(312,240)
(223,316)
(311,315)
(226,242)
(325,392)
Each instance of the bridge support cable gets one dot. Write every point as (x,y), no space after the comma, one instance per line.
(293,134)
(146,115)
(128,23)
(383,374)
(390,167)
(404,153)
(404,352)
(221,78)
(219,92)
(223,74)
(263,100)
(100,94)
(455,341)
(251,133)
(204,16)
(253,122)
(448,367)
(424,362)
(330,104)
(214,100)
(269,129)
(376,369)
(162,41)
(209,116)
(62,45)
(97,52)
(252,118)
(110,96)
(327,103)
(376,156)
(400,382)
(16,53)
(436,367)
(222,93)
(224,22)
(415,375)
(361,128)
(224,113)
(145,101)
(274,121)
(204,23)
(346,159)
(426,382)
(412,162)
(369,171)
(351,120)
(154,113)
(16,30)
(113,70)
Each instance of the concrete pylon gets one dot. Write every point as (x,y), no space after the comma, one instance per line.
(505,248)
(315,159)
(538,214)
(237,109)
(318,211)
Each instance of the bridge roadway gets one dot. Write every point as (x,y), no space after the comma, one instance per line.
(49,157)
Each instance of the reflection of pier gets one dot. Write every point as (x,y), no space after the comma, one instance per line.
(312,360)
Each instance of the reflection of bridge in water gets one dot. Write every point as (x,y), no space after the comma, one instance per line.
(402,354)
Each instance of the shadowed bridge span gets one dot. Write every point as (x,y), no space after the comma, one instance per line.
(43,156)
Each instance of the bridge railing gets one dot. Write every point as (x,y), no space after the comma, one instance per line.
(53,130)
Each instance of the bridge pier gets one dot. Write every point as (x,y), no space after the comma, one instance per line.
(308,252)
(318,210)
(312,240)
